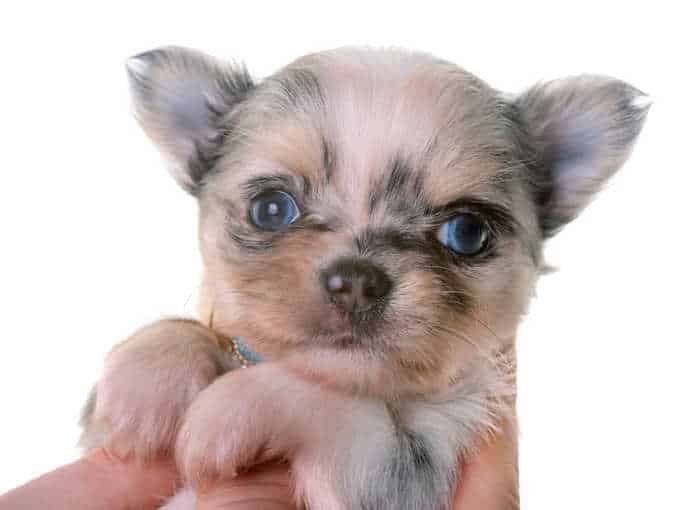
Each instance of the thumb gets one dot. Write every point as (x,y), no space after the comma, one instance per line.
(267,487)
(490,481)
(97,481)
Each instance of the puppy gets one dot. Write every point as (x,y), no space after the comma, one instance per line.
(371,224)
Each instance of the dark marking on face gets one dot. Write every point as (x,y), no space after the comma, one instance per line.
(250,243)
(293,185)
(301,89)
(203,163)
(429,256)
(400,189)
(447,270)
(399,173)
(382,239)
(328,157)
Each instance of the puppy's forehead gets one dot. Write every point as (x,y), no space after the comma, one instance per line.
(347,118)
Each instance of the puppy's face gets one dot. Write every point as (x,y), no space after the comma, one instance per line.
(376,218)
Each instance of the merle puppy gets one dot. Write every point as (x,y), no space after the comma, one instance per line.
(371,224)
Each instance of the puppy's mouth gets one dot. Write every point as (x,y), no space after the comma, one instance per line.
(344,329)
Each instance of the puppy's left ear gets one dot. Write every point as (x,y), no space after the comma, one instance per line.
(582,130)
(181,97)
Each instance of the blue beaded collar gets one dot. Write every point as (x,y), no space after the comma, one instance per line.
(245,354)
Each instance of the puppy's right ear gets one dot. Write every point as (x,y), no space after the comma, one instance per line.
(181,97)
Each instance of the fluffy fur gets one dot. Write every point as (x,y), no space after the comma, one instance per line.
(374,409)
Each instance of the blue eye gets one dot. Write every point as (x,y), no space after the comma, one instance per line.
(465,234)
(273,210)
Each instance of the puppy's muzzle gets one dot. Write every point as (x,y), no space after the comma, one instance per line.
(355,285)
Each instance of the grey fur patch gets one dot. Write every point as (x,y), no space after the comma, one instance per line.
(328,156)
(412,478)
(582,130)
(418,469)
(181,97)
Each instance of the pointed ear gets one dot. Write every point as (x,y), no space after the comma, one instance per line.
(582,130)
(181,97)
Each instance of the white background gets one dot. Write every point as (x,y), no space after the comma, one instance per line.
(97,240)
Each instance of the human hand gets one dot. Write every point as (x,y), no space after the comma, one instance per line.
(101,481)
(98,481)
(489,482)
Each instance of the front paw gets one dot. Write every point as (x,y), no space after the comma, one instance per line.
(240,420)
(148,382)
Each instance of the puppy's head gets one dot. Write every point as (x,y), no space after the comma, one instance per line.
(376,217)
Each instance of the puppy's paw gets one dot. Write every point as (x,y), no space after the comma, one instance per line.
(240,420)
(148,382)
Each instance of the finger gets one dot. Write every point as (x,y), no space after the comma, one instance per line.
(490,480)
(267,487)
(98,481)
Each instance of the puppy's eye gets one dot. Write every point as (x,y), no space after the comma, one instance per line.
(466,234)
(273,210)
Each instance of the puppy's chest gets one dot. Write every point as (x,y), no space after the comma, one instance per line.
(442,426)
(412,448)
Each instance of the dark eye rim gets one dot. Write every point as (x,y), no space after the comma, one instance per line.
(487,247)
(255,199)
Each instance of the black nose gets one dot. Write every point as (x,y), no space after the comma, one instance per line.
(355,285)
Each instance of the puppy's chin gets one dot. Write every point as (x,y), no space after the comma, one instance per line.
(402,365)
(350,365)
(359,371)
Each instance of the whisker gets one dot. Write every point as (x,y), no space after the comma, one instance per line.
(482,323)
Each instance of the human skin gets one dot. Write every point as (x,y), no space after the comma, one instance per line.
(101,481)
